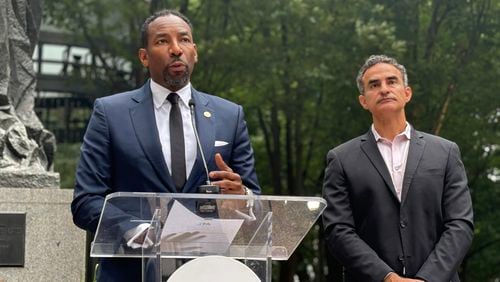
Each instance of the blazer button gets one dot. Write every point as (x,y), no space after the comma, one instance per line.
(402,223)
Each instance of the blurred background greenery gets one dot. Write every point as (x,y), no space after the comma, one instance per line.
(292,65)
(65,163)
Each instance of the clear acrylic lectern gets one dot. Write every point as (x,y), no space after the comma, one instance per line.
(156,226)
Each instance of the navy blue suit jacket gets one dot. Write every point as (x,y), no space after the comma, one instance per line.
(371,232)
(121,152)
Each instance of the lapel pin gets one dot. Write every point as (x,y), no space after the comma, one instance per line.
(207,114)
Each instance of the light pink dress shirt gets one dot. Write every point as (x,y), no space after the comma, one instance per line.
(395,153)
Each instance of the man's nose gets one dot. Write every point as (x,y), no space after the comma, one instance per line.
(384,88)
(175,49)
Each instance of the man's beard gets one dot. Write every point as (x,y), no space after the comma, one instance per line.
(178,81)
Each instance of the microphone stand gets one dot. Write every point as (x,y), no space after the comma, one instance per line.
(204,206)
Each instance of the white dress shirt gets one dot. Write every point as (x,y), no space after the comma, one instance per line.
(395,154)
(162,114)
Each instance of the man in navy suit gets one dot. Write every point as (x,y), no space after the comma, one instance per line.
(128,145)
(398,203)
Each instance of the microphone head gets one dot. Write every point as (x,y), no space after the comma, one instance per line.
(191,103)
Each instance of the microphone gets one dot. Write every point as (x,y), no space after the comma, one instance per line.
(205,206)
(191,107)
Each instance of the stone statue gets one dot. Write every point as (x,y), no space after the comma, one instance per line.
(26,147)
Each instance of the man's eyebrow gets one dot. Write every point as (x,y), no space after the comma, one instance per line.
(393,77)
(184,33)
(371,81)
(159,34)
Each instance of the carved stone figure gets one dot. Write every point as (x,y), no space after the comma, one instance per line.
(26,147)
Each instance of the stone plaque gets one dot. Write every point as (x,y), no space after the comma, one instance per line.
(12,234)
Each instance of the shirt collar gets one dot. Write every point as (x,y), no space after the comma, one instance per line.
(406,132)
(161,93)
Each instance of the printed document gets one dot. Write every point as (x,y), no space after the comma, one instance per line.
(185,232)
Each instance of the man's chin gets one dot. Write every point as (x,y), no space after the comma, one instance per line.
(176,82)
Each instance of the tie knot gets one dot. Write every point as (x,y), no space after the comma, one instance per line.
(173,98)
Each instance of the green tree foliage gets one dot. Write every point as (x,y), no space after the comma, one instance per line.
(292,64)
(65,163)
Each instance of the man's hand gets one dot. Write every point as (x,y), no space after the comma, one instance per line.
(393,277)
(139,236)
(228,181)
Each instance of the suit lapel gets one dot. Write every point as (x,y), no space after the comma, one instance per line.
(369,147)
(144,122)
(205,124)
(415,151)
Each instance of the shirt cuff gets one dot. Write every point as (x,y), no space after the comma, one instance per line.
(137,233)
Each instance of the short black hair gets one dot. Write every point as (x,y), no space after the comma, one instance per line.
(162,13)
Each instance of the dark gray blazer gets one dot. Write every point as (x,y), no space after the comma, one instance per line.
(371,233)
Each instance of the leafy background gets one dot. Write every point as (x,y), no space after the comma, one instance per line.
(292,65)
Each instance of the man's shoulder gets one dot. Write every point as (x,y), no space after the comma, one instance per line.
(431,139)
(348,146)
(216,101)
(214,98)
(122,96)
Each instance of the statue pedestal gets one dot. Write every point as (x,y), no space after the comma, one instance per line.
(54,246)
(28,179)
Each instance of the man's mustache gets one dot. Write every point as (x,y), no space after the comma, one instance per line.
(387,97)
(177,59)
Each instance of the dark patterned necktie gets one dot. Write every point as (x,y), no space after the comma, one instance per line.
(177,151)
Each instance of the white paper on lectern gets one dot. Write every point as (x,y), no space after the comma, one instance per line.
(184,231)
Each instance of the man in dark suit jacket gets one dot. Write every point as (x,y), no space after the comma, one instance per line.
(399,208)
(127,147)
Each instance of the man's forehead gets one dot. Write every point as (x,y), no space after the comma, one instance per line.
(169,23)
(382,71)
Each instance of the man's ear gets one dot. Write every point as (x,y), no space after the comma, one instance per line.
(143,57)
(195,53)
(362,101)
(408,93)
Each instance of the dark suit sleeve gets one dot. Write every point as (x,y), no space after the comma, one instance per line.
(342,240)
(93,172)
(456,239)
(242,159)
